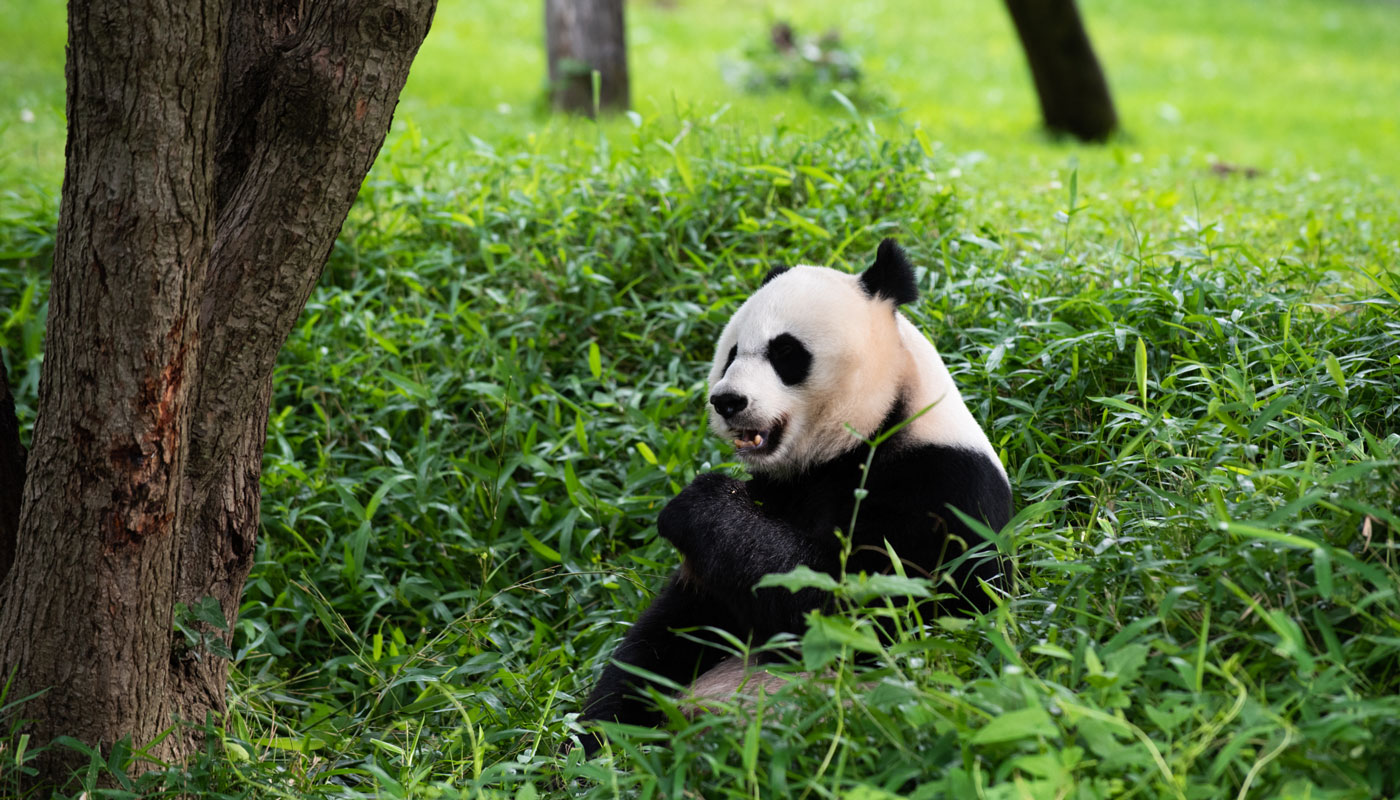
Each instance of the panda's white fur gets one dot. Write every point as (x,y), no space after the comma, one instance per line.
(867,356)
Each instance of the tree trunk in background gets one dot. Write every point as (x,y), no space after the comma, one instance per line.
(12,458)
(213,152)
(1074,95)
(583,36)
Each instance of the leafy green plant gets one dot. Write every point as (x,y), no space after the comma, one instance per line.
(822,68)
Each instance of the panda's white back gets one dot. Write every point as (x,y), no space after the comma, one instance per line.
(949,421)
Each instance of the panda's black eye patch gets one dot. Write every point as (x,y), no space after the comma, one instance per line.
(789,358)
(733,354)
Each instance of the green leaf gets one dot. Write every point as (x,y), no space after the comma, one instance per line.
(1254,532)
(803,577)
(868,792)
(1270,411)
(595,360)
(821,175)
(1334,368)
(408,386)
(545,551)
(117,761)
(646,453)
(1101,737)
(1052,650)
(922,138)
(1322,571)
(1127,661)
(580,433)
(828,637)
(291,744)
(237,753)
(798,221)
(217,647)
(751,740)
(845,103)
(1119,404)
(683,167)
(873,586)
(1025,723)
(208,611)
(379,494)
(1140,368)
(383,342)
(572,485)
(1291,643)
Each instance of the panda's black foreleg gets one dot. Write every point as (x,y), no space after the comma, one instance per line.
(730,544)
(651,644)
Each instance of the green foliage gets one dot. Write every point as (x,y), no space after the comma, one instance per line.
(822,68)
(500,380)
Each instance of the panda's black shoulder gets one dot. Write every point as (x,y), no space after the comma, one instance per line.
(919,474)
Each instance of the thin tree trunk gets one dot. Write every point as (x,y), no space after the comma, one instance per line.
(1074,96)
(213,153)
(583,36)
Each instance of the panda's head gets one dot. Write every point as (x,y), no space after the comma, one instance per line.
(812,351)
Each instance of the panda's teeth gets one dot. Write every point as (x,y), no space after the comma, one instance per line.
(748,440)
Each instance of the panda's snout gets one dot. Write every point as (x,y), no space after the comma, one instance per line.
(728,404)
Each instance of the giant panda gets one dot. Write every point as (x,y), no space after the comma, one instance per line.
(812,356)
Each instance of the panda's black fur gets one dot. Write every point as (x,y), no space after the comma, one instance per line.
(733,532)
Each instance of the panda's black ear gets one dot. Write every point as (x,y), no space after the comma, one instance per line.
(891,276)
(773,273)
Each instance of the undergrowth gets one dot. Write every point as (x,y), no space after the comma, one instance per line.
(500,380)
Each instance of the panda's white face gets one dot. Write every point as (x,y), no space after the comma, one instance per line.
(808,354)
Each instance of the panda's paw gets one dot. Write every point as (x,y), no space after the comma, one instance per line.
(683,518)
(674,523)
(716,485)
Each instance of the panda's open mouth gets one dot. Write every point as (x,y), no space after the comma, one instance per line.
(755,442)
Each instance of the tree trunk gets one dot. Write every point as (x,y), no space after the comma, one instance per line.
(213,153)
(1074,95)
(87,603)
(584,36)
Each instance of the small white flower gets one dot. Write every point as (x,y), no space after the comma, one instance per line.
(26,116)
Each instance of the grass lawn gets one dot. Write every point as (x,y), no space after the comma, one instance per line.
(1189,370)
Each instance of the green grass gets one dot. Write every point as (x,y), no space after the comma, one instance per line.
(1191,378)
(1295,85)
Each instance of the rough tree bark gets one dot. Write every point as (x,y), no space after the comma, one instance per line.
(582,36)
(214,149)
(1074,96)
